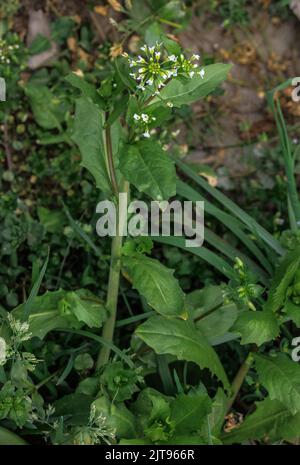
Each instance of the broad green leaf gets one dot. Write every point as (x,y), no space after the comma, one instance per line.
(281,377)
(212,317)
(87,90)
(188,412)
(292,312)
(151,405)
(204,300)
(182,339)
(62,309)
(118,417)
(48,110)
(256,327)
(8,438)
(184,92)
(157,284)
(284,275)
(86,308)
(75,408)
(149,169)
(88,135)
(270,419)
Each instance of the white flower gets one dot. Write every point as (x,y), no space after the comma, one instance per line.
(191,73)
(144,48)
(146,134)
(145,117)
(2,351)
(157,55)
(150,82)
(170,104)
(141,59)
(140,87)
(172,58)
(136,117)
(142,70)
(195,57)
(151,49)
(202,73)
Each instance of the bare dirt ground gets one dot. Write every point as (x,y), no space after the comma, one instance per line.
(263,55)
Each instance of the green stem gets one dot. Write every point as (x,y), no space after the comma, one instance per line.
(113,283)
(110,159)
(239,379)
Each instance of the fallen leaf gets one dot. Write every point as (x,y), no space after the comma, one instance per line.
(101,10)
(115,5)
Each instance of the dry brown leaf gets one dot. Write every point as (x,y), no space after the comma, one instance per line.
(116,50)
(115,5)
(101,10)
(83,55)
(76,18)
(72,44)
(245,53)
(133,44)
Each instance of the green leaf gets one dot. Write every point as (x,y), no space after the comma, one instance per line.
(88,135)
(47,109)
(185,92)
(182,339)
(284,275)
(255,228)
(88,90)
(256,327)
(83,362)
(292,312)
(151,405)
(40,44)
(281,377)
(189,412)
(149,169)
(52,220)
(118,417)
(8,438)
(218,412)
(86,308)
(212,317)
(157,284)
(75,408)
(62,309)
(270,419)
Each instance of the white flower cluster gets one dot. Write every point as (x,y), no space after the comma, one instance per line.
(143,120)
(20,329)
(155,69)
(6,51)
(96,432)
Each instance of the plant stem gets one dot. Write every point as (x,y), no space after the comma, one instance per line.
(239,379)
(113,283)
(110,159)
